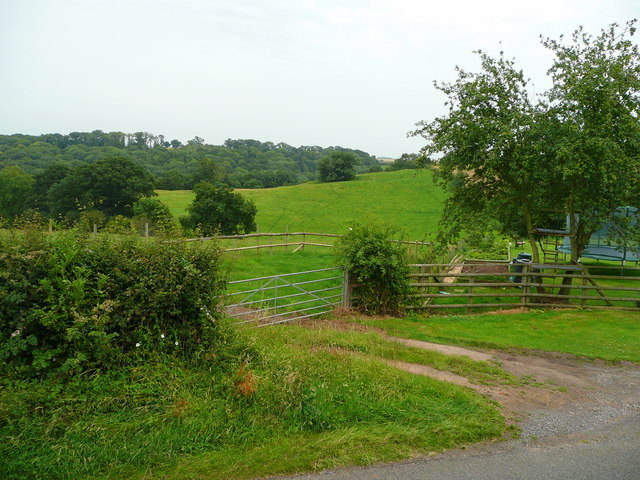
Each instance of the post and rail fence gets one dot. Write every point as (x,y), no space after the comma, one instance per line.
(304,237)
(452,287)
(495,285)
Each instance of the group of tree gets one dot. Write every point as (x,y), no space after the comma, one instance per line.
(512,160)
(241,163)
(116,194)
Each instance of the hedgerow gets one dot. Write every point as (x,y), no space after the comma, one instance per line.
(69,303)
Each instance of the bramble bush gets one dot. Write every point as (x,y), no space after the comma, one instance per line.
(377,266)
(69,303)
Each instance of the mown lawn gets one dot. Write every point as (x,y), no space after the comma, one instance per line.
(607,335)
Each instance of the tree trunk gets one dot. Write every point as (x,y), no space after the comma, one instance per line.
(535,253)
(576,252)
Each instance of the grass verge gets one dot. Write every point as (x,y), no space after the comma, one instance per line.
(311,399)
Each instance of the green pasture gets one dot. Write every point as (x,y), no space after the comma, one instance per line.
(607,335)
(407,199)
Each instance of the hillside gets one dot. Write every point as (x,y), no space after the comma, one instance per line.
(407,199)
(239,163)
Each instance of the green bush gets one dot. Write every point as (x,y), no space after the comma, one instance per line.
(377,266)
(156,214)
(69,303)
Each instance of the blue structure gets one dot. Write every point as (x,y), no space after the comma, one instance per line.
(601,247)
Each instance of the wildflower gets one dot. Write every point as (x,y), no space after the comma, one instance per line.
(162,335)
(137,345)
(176,344)
(15,334)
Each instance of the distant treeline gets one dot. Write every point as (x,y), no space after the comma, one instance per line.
(175,166)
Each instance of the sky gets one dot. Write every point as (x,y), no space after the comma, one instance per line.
(353,73)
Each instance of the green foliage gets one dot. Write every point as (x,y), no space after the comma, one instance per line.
(168,418)
(111,185)
(377,266)
(338,166)
(220,210)
(506,158)
(68,303)
(89,218)
(241,163)
(594,106)
(156,214)
(15,192)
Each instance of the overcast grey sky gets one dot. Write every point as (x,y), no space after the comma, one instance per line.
(355,73)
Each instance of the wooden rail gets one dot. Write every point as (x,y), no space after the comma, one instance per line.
(484,285)
(412,246)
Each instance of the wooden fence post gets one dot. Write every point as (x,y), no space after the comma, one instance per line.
(286,239)
(95,231)
(470,290)
(525,285)
(258,239)
(346,289)
(585,272)
(146,229)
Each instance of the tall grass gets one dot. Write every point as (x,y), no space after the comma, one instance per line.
(311,399)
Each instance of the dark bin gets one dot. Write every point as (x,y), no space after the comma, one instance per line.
(523,258)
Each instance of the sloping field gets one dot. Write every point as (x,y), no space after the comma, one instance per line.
(407,199)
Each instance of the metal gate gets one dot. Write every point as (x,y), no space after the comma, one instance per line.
(284,298)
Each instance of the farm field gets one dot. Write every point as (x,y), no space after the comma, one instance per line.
(606,335)
(407,199)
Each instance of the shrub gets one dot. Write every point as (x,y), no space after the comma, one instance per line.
(378,267)
(156,214)
(69,303)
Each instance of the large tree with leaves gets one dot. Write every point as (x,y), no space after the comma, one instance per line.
(594,135)
(489,160)
(220,210)
(507,158)
(110,185)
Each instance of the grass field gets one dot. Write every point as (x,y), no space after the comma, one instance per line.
(407,199)
(604,335)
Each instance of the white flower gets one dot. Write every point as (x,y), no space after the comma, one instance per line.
(137,345)
(176,344)
(162,335)
(15,334)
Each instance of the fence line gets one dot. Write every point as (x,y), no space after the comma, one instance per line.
(286,244)
(452,287)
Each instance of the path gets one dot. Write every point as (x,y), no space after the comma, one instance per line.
(584,423)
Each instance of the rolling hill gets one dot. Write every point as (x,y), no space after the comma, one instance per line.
(406,199)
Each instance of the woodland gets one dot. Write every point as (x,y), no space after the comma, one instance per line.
(174,165)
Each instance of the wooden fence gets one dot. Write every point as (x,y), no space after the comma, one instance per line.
(300,241)
(498,285)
